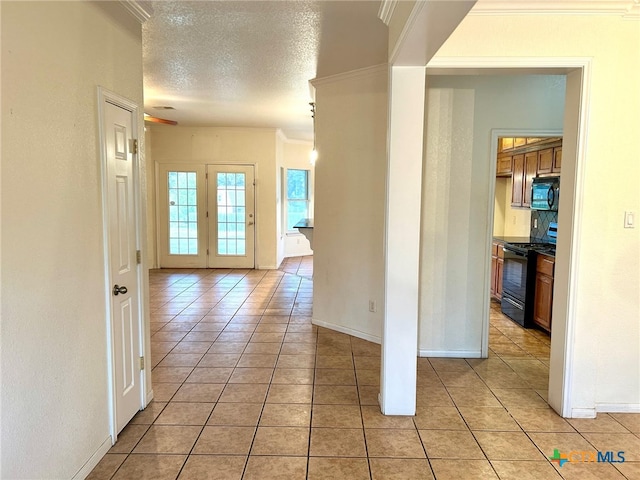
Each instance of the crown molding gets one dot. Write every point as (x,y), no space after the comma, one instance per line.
(624,8)
(361,72)
(141,10)
(386,10)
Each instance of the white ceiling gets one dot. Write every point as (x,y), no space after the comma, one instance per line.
(248,63)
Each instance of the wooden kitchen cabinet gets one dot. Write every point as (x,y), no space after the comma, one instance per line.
(545,161)
(517,180)
(557,160)
(504,166)
(525,167)
(497,265)
(543,302)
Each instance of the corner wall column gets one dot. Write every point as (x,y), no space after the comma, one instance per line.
(402,247)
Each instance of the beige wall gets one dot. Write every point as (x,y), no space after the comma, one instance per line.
(55,412)
(351,134)
(210,145)
(605,258)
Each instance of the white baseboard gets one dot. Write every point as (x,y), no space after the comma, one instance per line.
(450,353)
(583,413)
(267,267)
(149,397)
(348,331)
(94,460)
(618,407)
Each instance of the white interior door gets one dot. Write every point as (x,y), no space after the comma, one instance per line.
(231,205)
(182,226)
(125,312)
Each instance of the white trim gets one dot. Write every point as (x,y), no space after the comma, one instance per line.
(583,413)
(407,27)
(385,13)
(106,96)
(618,407)
(90,464)
(450,353)
(358,73)
(546,7)
(348,331)
(140,10)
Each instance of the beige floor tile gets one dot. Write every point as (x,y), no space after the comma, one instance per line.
(227,347)
(236,414)
(198,392)
(290,393)
(488,418)
(524,470)
(191,347)
(592,471)
(630,470)
(267,337)
(149,414)
(338,468)
(476,397)
(368,394)
(367,362)
(563,442)
(519,398)
(466,378)
(128,438)
(394,443)
(170,374)
(337,442)
(224,440)
(507,446)
(630,420)
(400,469)
(450,365)
(107,466)
(301,337)
(219,360)
(262,360)
(368,377)
(373,418)
(281,441)
(180,360)
(298,349)
(335,376)
(244,392)
(213,467)
(184,413)
(615,442)
(150,467)
(296,361)
(433,396)
(271,328)
(251,375)
(463,469)
(603,423)
(440,418)
(335,395)
(334,361)
(293,376)
(234,337)
(274,467)
(286,415)
(209,375)
(176,439)
(540,420)
(333,350)
(458,444)
(262,348)
(336,416)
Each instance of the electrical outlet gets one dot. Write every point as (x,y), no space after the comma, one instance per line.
(535,223)
(373,306)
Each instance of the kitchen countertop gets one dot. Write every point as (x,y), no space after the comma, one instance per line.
(304,223)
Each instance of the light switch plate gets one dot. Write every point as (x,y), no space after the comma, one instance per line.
(629,219)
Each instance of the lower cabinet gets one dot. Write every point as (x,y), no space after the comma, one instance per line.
(497,264)
(544,292)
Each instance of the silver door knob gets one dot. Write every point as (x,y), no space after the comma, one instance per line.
(118,289)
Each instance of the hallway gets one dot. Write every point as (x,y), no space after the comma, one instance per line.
(247,388)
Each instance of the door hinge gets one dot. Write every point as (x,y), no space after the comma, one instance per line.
(141,363)
(206,176)
(207,214)
(133,145)
(138,257)
(207,251)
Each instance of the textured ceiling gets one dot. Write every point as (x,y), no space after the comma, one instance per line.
(246,63)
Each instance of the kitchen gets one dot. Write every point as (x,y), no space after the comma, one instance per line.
(525,228)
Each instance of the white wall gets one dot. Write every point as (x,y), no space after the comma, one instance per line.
(209,145)
(296,155)
(461,112)
(351,133)
(605,260)
(54,356)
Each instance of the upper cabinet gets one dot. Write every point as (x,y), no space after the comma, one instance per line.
(523,159)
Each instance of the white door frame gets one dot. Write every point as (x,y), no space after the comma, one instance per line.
(106,96)
(569,223)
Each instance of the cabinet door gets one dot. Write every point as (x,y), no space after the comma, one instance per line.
(545,161)
(503,166)
(518,179)
(499,278)
(505,144)
(543,301)
(557,160)
(530,169)
(519,142)
(494,267)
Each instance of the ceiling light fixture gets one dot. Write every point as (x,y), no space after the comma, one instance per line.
(313,156)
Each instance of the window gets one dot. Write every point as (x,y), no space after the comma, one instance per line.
(183,213)
(297,196)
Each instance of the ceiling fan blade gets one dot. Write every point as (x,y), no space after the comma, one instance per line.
(152,119)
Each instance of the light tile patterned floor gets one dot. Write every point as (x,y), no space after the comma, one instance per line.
(246,387)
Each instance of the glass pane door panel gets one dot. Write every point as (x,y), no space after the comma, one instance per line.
(183,213)
(231,213)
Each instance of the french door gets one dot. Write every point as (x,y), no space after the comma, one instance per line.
(206,216)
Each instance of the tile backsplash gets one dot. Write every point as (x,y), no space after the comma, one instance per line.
(543,219)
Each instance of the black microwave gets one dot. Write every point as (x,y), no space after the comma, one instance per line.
(545,193)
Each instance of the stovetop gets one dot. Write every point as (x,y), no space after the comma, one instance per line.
(547,248)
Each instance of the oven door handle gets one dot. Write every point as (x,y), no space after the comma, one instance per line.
(508,300)
(520,254)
